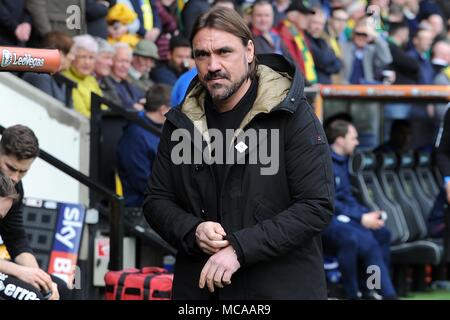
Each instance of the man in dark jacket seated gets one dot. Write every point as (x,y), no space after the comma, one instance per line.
(355,232)
(137,147)
(18,149)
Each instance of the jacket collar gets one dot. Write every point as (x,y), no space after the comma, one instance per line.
(75,74)
(280,86)
(338,158)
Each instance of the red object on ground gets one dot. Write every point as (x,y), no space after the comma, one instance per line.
(150,283)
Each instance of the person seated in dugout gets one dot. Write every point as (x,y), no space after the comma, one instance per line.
(355,233)
(12,287)
(21,278)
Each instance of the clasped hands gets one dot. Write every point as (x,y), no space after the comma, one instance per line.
(222,263)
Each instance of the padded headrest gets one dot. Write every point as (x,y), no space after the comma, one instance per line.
(387,161)
(362,161)
(423,159)
(406,160)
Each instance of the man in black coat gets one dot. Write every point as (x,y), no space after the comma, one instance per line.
(325,61)
(15,23)
(443,155)
(246,226)
(406,68)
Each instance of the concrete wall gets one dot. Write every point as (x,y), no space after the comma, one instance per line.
(61,132)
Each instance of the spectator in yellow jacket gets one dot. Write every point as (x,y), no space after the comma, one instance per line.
(81,71)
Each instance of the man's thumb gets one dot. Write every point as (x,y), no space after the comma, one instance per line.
(219,229)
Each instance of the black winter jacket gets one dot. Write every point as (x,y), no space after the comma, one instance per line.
(443,154)
(12,230)
(273,221)
(12,13)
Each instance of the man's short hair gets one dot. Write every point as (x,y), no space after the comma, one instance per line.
(395,27)
(229,21)
(7,188)
(336,129)
(19,141)
(218,2)
(157,96)
(58,40)
(336,9)
(416,34)
(338,116)
(260,3)
(178,42)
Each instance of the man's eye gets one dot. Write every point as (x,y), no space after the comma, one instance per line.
(200,54)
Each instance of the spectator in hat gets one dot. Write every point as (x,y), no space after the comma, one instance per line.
(144,58)
(292,32)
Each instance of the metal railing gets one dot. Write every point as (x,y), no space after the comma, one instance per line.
(96,137)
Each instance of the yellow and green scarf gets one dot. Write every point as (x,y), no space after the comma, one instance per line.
(446,71)
(147,13)
(310,70)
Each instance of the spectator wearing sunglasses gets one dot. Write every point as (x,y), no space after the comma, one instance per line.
(365,56)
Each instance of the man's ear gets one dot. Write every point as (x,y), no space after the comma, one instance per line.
(339,141)
(250,51)
(163,109)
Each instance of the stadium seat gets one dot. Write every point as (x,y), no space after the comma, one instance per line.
(408,247)
(425,174)
(371,194)
(411,184)
(393,189)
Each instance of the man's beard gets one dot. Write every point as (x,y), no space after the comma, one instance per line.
(228,91)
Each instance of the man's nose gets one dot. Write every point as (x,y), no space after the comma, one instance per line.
(15,177)
(213,64)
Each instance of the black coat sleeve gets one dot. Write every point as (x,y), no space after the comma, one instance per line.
(95,10)
(443,155)
(324,57)
(7,20)
(310,177)
(12,230)
(403,62)
(161,208)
